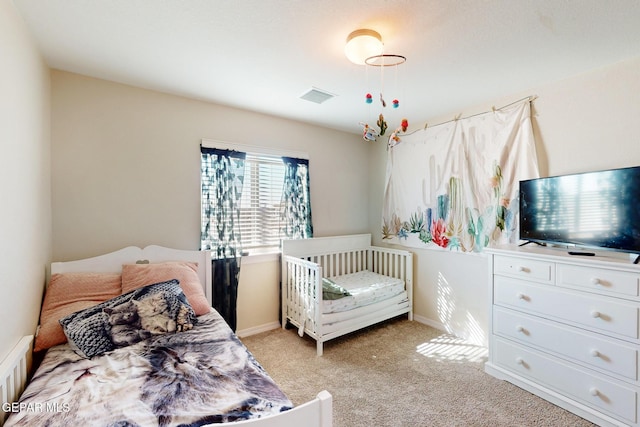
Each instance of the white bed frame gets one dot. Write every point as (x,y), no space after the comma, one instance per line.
(13,370)
(13,374)
(306,261)
(112,262)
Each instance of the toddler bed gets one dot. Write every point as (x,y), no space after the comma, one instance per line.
(332,286)
(143,348)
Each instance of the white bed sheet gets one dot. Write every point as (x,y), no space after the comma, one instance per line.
(366,288)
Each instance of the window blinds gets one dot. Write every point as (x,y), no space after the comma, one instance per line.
(261,202)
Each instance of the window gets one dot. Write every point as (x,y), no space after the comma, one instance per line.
(261,202)
(250,200)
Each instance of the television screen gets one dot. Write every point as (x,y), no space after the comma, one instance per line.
(593,209)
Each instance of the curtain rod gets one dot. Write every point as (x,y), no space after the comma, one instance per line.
(253,149)
(458,117)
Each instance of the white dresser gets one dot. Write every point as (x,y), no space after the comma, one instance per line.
(567,329)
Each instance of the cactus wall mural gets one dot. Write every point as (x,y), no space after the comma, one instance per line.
(455,186)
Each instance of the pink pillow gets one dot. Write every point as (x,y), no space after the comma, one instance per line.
(135,276)
(68,293)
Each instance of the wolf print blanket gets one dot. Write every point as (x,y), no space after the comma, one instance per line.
(193,378)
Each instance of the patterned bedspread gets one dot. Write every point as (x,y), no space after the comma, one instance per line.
(193,378)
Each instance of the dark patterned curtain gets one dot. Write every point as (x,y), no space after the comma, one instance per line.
(222,175)
(296,215)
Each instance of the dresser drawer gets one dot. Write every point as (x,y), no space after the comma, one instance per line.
(598,313)
(617,400)
(610,356)
(598,280)
(523,268)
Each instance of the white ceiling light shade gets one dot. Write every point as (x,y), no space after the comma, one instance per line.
(363,44)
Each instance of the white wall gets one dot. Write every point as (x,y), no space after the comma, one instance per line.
(25,191)
(588,122)
(126,171)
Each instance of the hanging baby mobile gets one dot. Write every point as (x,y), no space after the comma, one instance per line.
(364,47)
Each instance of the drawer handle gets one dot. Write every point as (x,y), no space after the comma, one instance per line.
(593,391)
(522,269)
(595,314)
(522,296)
(520,329)
(595,281)
(519,360)
(595,353)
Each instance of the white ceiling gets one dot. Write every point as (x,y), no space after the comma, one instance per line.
(262,55)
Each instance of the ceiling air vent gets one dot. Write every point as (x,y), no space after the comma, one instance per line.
(317,95)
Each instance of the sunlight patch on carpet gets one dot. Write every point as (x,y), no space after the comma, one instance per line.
(449,348)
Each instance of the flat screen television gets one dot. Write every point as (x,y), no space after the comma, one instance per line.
(593,210)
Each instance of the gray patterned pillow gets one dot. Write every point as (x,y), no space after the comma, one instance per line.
(129,318)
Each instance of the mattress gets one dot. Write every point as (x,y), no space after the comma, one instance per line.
(198,377)
(366,288)
(334,321)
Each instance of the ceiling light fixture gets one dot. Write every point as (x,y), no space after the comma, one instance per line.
(363,44)
(385,60)
(365,47)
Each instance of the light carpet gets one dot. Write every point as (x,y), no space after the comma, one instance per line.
(401,373)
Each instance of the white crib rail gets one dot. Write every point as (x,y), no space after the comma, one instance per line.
(394,263)
(340,263)
(13,375)
(301,287)
(390,262)
(307,261)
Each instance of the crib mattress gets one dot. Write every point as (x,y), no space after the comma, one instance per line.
(332,321)
(366,288)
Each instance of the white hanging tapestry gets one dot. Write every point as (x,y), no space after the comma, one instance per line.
(455,185)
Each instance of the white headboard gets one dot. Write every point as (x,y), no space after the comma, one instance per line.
(112,262)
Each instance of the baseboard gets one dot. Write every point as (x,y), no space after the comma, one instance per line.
(426,321)
(275,325)
(258,329)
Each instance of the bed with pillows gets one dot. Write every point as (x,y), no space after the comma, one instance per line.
(131,340)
